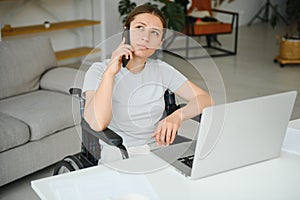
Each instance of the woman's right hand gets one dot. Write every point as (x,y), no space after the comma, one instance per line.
(115,63)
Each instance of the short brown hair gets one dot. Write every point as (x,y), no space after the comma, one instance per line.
(146,8)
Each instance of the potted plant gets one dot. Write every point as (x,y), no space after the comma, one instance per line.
(172,11)
(290,43)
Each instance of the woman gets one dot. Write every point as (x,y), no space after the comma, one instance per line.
(130,100)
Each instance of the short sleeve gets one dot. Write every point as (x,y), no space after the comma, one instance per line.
(172,78)
(93,77)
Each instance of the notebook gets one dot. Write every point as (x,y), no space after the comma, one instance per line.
(233,135)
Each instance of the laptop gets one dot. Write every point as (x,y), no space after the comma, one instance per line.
(233,135)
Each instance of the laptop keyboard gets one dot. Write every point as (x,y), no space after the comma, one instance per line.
(188,160)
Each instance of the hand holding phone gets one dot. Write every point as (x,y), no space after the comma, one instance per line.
(126,34)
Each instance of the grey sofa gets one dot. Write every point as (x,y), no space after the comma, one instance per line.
(37,126)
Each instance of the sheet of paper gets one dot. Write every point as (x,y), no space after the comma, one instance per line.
(294,124)
(110,185)
(291,141)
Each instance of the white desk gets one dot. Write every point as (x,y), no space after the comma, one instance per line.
(273,179)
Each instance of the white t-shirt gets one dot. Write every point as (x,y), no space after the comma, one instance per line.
(138,99)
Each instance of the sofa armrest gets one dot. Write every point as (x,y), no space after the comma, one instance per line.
(61,79)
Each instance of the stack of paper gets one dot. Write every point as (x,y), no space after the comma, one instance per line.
(291,142)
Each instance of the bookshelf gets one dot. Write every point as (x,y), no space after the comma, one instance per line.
(76,52)
(8,30)
(23,30)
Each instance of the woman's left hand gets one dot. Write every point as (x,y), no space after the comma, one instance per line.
(167,128)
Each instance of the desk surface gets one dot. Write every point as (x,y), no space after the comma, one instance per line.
(274,179)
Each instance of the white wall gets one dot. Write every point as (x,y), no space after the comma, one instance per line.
(247,9)
(113,21)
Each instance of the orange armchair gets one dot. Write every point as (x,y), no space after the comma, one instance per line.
(210,29)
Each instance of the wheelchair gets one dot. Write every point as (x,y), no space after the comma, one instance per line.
(90,152)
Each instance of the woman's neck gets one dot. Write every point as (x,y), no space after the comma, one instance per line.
(136,65)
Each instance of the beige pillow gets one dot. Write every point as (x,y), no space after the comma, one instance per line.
(199,14)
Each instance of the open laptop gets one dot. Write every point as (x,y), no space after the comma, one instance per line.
(233,135)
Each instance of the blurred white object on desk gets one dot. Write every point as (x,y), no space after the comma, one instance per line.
(291,142)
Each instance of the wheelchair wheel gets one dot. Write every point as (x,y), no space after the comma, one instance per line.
(68,164)
(63,167)
(75,162)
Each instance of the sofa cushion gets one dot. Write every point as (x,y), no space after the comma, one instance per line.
(62,79)
(23,61)
(45,112)
(13,132)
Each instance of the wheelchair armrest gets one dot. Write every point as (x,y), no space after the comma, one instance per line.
(108,136)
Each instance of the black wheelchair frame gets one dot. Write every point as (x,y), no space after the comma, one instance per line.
(90,152)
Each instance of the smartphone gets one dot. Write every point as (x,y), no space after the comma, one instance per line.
(126,34)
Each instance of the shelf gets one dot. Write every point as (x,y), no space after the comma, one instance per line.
(22,30)
(76,52)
